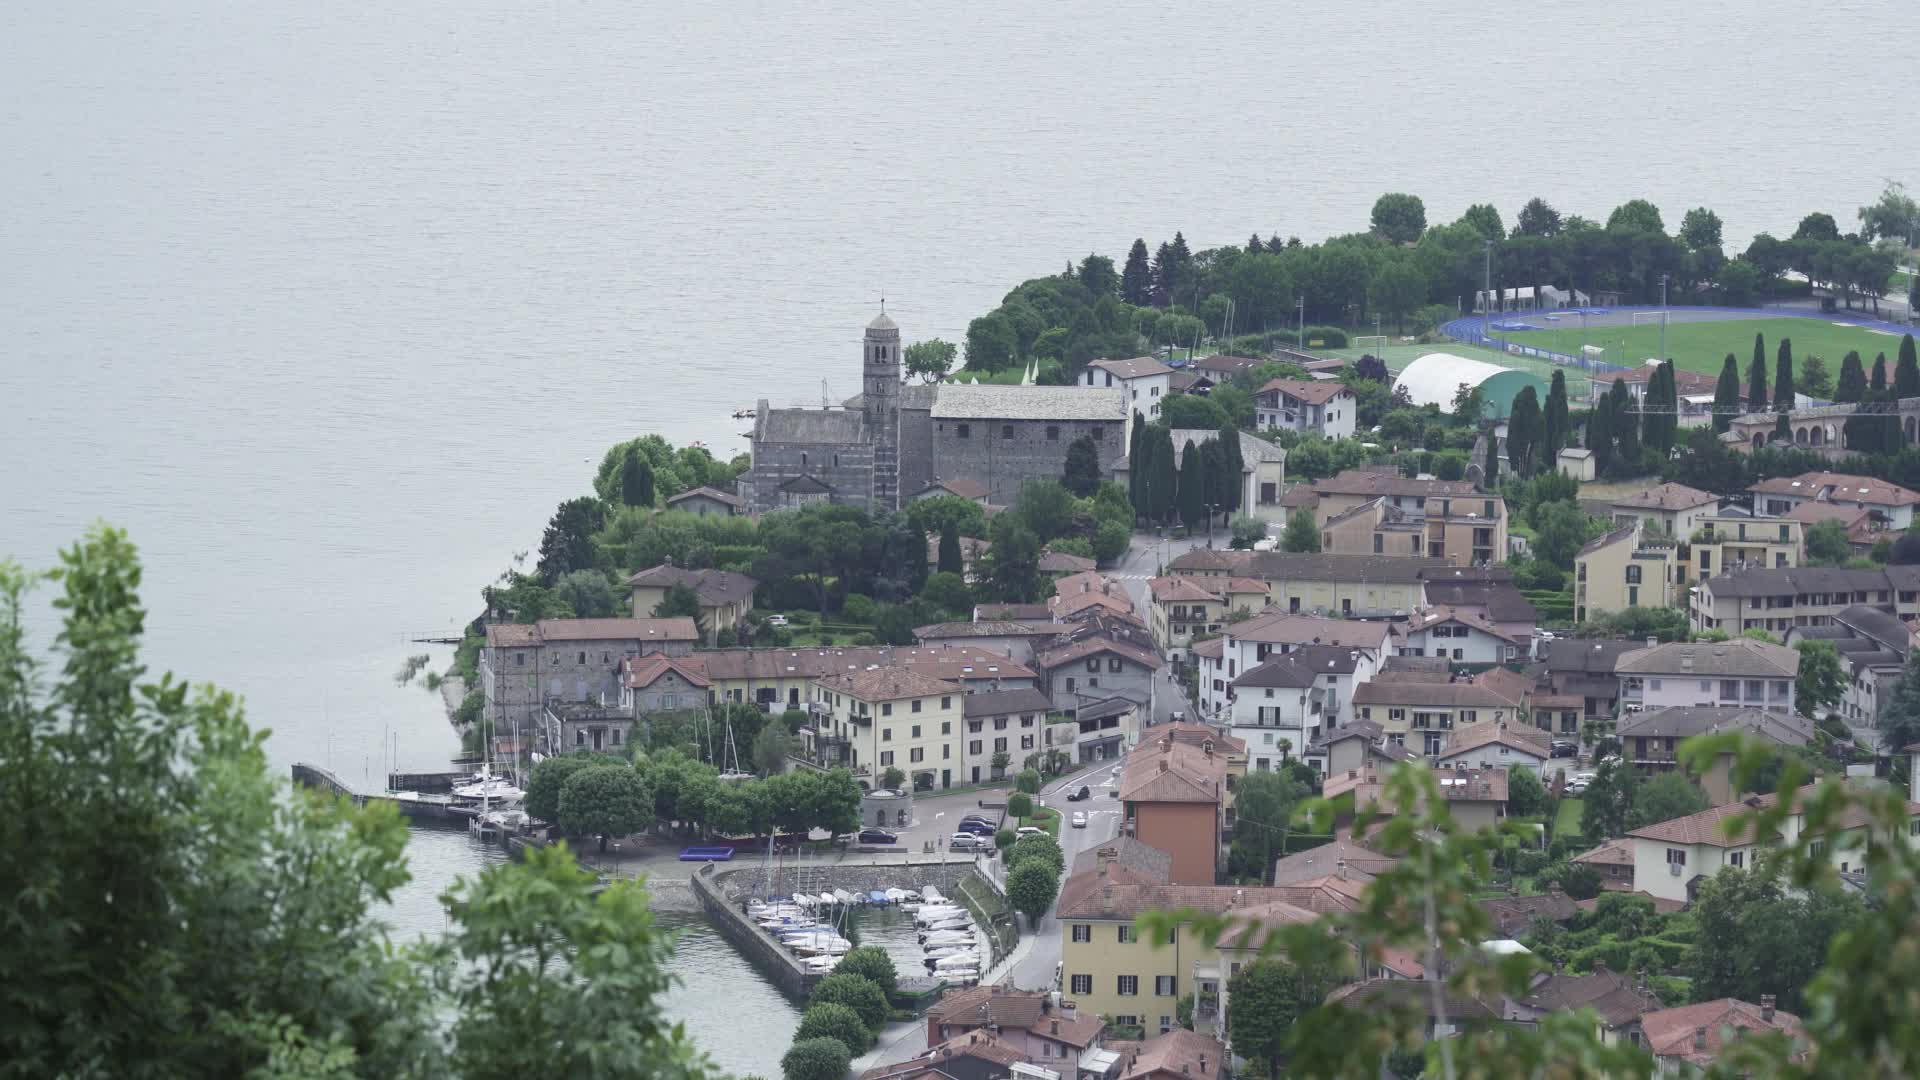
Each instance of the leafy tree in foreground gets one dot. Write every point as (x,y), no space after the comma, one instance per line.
(1031,887)
(828,1020)
(605,801)
(1302,534)
(1820,681)
(864,996)
(1267,997)
(816,1059)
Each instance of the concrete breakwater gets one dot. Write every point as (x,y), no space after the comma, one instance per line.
(721,893)
(430,808)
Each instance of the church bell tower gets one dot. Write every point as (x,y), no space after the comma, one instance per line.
(880,387)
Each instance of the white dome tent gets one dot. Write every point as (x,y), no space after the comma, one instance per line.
(1435,378)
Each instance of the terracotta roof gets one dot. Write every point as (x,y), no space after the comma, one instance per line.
(715,494)
(643,670)
(1456,785)
(1212,647)
(1676,1033)
(1178,1053)
(1812,513)
(1011,612)
(1197,734)
(997,702)
(1284,628)
(1068,605)
(886,684)
(678,628)
(1369,482)
(1612,994)
(712,587)
(1167,770)
(1513,915)
(938,661)
(1326,894)
(1094,645)
(1138,367)
(1682,722)
(1611,853)
(1738,657)
(1410,692)
(1510,684)
(983,1045)
(1343,857)
(1308,566)
(1607,539)
(1261,920)
(961,486)
(1210,559)
(1060,562)
(1488,733)
(1227,363)
(1666,497)
(1436,616)
(1152,864)
(984,628)
(1183,588)
(1838,487)
(1237,586)
(1307,390)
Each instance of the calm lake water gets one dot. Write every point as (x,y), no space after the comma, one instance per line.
(330,304)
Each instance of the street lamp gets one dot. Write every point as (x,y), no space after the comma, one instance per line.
(1210,507)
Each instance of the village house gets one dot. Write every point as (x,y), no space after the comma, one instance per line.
(1686,1040)
(1741,671)
(1464,526)
(1181,606)
(1061,564)
(1280,705)
(1779,495)
(1619,999)
(1725,543)
(1050,1036)
(1361,744)
(1495,745)
(1864,526)
(1476,799)
(1249,643)
(1625,569)
(1143,378)
(976,1055)
(1673,511)
(1779,600)
(1484,591)
(784,678)
(1173,796)
(1420,713)
(1327,409)
(891,717)
(707,501)
(1580,676)
(1009,722)
(1098,731)
(1650,741)
(1357,585)
(1100,657)
(1613,861)
(1458,636)
(523,666)
(1174,1054)
(1078,592)
(1873,644)
(725,597)
(1013,639)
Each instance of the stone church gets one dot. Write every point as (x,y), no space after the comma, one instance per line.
(892,441)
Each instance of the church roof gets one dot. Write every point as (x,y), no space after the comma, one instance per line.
(881,322)
(823,427)
(805,485)
(986,401)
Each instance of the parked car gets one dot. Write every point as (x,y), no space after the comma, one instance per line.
(1029,830)
(1178,716)
(1083,793)
(976,828)
(1079,819)
(878,836)
(961,841)
(1566,748)
(776,620)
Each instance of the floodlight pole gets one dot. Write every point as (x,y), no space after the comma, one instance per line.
(1663,318)
(1486,297)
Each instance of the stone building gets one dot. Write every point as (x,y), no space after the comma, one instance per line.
(881,446)
(524,666)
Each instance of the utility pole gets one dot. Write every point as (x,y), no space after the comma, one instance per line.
(1300,327)
(1486,297)
(1663,318)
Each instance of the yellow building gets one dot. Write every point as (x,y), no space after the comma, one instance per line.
(1305,582)
(1420,713)
(1724,544)
(1453,521)
(893,717)
(725,597)
(1180,606)
(1625,569)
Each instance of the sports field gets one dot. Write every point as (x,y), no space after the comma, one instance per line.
(1397,357)
(1702,346)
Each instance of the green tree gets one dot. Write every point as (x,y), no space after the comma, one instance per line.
(1827,544)
(816,1059)
(1726,395)
(1098,275)
(1082,475)
(1269,996)
(998,763)
(1193,489)
(605,801)
(1044,849)
(1184,412)
(1755,939)
(949,592)
(770,749)
(1031,887)
(1783,377)
(1820,681)
(1524,432)
(548,777)
(1561,529)
(951,561)
(991,342)
(1485,220)
(1136,279)
(681,601)
(1247,530)
(1555,426)
(1852,385)
(930,359)
(1110,540)
(857,992)
(1490,468)
(1700,229)
(1608,803)
(1537,219)
(1399,218)
(1232,471)
(1263,807)
(1302,534)
(1028,781)
(520,1010)
(872,963)
(1635,214)
(1013,565)
(1163,479)
(837,1022)
(567,544)
(1757,376)
(1397,290)
(1019,805)
(588,594)
(1906,377)
(636,478)
(1526,796)
(1664,797)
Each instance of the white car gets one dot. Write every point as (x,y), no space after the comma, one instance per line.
(1079,820)
(776,620)
(1028,830)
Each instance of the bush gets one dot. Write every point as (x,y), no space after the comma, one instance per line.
(1020,805)
(816,1059)
(829,1021)
(861,641)
(1043,848)
(872,963)
(856,992)
(1028,781)
(1003,839)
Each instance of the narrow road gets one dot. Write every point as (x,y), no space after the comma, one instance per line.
(1035,970)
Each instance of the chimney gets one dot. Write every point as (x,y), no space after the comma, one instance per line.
(1652,641)
(1766,1007)
(1163,764)
(1183,1069)
(1055,1029)
(1699,1038)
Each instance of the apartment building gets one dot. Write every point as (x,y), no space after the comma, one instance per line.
(892,717)
(1459,636)
(1327,409)
(1099,657)
(1650,740)
(778,679)
(1010,722)
(1485,591)
(1779,600)
(1461,525)
(1143,377)
(1179,606)
(1873,645)
(1669,510)
(1625,569)
(1737,672)
(725,597)
(1725,544)
(1283,703)
(1173,795)
(1419,712)
(1778,496)
(1580,678)
(1249,643)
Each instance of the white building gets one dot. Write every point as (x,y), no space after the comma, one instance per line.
(1144,378)
(1321,408)
(1778,496)
(1459,636)
(1495,745)
(1742,671)
(1247,644)
(1282,704)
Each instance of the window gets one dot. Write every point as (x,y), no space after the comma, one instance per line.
(1166,1023)
(1653,684)
(1053,432)
(886,734)
(1100,434)
(946,702)
(886,709)
(999,745)
(1113,665)
(579,736)
(1818,849)
(1163,985)
(616,736)
(1026,742)
(1129,985)
(1913,827)
(974,747)
(916,704)
(1093,664)
(1676,856)
(1633,575)
(946,727)
(916,755)
(1173,935)
(886,757)
(1006,431)
(964,431)
(1083,984)
(1736,858)
(1126,934)
(1082,932)
(999,723)
(916,731)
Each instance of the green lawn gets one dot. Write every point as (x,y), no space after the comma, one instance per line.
(1702,346)
(1398,356)
(1043,818)
(1566,821)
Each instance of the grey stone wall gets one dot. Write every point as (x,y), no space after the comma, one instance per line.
(518,680)
(845,467)
(1003,464)
(1132,681)
(916,451)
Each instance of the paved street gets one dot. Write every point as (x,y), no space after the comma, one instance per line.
(1145,558)
(1034,971)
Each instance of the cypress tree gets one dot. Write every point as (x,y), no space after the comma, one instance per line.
(1663,423)
(1193,491)
(1164,480)
(1852,385)
(1553,427)
(1524,431)
(1783,377)
(636,479)
(950,561)
(1726,395)
(1879,376)
(1490,470)
(1906,376)
(1232,470)
(1135,460)
(1136,279)
(1781,428)
(1626,429)
(1600,434)
(1757,377)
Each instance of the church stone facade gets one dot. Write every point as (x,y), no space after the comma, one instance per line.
(892,439)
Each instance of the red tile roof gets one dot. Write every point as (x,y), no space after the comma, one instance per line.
(1677,1033)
